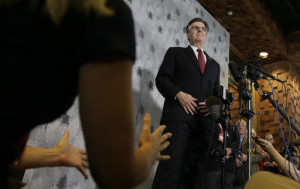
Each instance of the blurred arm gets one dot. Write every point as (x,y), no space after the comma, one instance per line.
(64,154)
(284,164)
(106,110)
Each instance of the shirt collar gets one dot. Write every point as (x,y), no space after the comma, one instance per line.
(195,49)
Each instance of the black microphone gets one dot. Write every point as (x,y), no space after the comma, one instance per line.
(269,75)
(235,71)
(215,107)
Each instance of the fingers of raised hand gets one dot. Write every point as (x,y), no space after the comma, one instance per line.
(83,172)
(164,145)
(163,157)
(84,159)
(85,164)
(262,142)
(164,137)
(147,121)
(64,138)
(157,133)
(66,134)
(83,152)
(145,134)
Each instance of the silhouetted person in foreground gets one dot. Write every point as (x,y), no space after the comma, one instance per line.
(51,51)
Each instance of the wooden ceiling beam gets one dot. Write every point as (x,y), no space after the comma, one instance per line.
(251,27)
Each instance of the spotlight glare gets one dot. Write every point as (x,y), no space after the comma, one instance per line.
(263,54)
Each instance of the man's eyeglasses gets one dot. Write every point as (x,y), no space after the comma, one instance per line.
(203,29)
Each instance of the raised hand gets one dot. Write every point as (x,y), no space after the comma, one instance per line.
(155,141)
(72,156)
(267,146)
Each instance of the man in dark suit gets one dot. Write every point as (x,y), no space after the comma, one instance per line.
(214,169)
(186,78)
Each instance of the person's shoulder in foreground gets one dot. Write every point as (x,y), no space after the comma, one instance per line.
(266,179)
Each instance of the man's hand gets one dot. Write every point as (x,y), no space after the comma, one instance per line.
(273,164)
(270,164)
(72,156)
(266,164)
(238,162)
(228,152)
(243,158)
(155,141)
(187,102)
(203,108)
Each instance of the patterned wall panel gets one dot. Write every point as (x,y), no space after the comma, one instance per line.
(268,120)
(159,25)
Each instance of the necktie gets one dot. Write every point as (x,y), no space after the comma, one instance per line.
(201,60)
(241,141)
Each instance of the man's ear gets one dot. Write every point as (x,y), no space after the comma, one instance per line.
(187,36)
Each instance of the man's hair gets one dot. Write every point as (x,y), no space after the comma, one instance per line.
(58,8)
(268,134)
(241,121)
(196,20)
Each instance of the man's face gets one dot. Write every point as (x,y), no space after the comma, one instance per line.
(196,33)
(242,129)
(253,133)
(269,138)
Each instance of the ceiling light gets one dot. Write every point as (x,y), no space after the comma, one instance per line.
(263,54)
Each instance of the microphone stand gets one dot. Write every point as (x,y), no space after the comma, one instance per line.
(224,122)
(248,113)
(225,127)
(249,159)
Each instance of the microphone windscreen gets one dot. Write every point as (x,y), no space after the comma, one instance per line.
(214,105)
(212,100)
(215,112)
(234,71)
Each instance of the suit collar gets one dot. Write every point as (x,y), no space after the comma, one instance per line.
(194,48)
(190,52)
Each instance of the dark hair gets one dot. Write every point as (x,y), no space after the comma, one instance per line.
(196,20)
(292,151)
(13,147)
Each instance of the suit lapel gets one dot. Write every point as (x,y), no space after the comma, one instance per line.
(190,53)
(208,63)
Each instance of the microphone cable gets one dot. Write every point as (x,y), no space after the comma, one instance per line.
(284,140)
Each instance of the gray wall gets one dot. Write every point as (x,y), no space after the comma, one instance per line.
(159,24)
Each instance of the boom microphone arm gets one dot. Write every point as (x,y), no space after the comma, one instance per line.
(269,75)
(268,96)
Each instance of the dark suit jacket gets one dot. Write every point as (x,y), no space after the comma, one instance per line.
(180,71)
